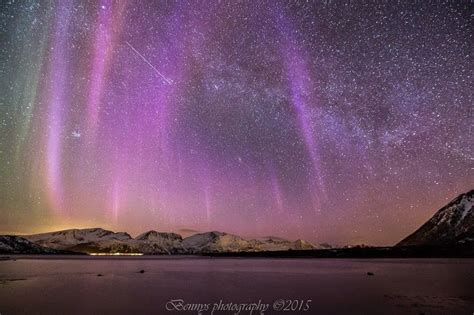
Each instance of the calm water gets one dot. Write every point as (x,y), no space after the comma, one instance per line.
(334,286)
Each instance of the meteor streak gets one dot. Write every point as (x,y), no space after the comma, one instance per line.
(165,79)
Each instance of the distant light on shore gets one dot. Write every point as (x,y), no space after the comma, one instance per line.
(116,254)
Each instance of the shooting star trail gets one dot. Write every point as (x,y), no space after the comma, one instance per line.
(165,79)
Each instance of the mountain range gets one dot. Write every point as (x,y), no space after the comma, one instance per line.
(98,240)
(450,227)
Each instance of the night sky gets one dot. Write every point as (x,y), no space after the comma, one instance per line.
(333,121)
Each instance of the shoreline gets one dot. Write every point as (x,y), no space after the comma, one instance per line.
(414,252)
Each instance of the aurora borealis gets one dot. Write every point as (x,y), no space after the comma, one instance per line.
(332,121)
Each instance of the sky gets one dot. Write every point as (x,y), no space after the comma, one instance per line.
(343,122)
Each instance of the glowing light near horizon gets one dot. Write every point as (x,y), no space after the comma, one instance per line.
(115,254)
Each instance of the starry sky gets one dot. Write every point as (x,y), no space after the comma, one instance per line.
(333,121)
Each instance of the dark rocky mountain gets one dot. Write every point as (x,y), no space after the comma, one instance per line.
(451,225)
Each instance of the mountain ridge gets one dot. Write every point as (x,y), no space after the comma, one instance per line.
(450,225)
(99,240)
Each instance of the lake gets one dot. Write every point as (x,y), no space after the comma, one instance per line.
(185,285)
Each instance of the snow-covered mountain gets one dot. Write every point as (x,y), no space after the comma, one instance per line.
(452,224)
(98,240)
(153,242)
(223,242)
(272,243)
(18,245)
(69,239)
(215,242)
(154,236)
(94,240)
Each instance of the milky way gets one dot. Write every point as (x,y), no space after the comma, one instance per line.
(336,121)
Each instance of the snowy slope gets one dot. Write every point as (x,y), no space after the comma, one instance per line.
(70,238)
(272,243)
(223,242)
(19,245)
(215,242)
(153,242)
(452,224)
